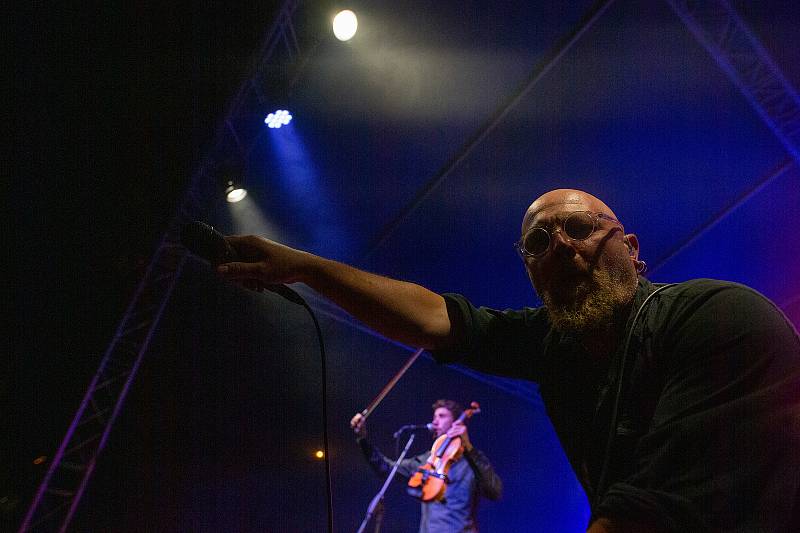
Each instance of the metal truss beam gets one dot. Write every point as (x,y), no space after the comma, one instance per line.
(60,491)
(739,53)
(72,465)
(243,124)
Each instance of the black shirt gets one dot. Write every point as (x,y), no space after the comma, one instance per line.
(708,428)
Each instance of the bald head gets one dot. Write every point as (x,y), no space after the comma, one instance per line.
(559,198)
(584,282)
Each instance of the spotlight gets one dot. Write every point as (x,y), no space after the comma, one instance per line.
(231,174)
(279,118)
(345,25)
(234,193)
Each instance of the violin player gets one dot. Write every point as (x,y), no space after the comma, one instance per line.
(469,478)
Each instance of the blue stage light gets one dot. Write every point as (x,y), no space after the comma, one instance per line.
(279,118)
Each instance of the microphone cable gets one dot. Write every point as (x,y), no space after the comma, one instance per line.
(204,241)
(293,296)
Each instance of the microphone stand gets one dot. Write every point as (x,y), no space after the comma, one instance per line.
(379,497)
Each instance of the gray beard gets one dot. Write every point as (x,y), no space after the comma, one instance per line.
(590,305)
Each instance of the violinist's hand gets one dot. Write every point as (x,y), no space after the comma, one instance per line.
(359,425)
(459,429)
(264,262)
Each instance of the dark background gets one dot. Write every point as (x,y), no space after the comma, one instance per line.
(112,106)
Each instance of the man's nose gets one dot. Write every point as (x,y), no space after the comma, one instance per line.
(560,242)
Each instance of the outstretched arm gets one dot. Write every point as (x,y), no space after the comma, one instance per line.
(402,311)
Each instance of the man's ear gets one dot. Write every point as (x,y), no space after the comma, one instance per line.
(633,245)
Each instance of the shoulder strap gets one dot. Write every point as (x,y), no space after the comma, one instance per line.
(612,431)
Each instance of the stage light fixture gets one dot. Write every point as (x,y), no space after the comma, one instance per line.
(345,24)
(279,118)
(234,193)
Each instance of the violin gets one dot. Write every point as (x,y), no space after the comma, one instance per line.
(430,480)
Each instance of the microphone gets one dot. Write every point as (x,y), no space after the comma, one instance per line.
(427,426)
(204,241)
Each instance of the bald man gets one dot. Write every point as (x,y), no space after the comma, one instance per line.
(678,406)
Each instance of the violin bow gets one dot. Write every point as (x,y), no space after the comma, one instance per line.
(392,382)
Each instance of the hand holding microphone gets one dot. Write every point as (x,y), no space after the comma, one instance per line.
(251,261)
(243,258)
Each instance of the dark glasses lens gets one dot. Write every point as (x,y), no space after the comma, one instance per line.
(579,226)
(536,241)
